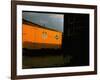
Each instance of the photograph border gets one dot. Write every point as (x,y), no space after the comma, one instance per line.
(14,39)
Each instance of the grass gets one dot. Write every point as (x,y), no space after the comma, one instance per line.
(42,61)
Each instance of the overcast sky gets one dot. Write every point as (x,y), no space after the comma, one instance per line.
(49,20)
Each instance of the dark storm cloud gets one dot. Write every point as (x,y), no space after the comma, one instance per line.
(53,21)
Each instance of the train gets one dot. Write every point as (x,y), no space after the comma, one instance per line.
(35,36)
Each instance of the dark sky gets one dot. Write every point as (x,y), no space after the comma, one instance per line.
(49,20)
